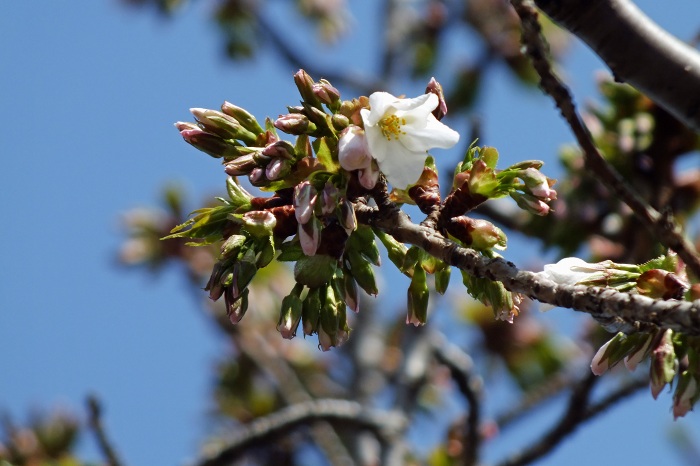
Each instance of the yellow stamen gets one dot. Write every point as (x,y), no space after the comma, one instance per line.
(391,127)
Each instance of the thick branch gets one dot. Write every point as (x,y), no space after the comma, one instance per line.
(615,310)
(662,226)
(637,51)
(339,412)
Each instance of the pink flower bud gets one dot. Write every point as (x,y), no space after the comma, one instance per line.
(601,361)
(353,153)
(663,363)
(304,200)
(294,123)
(277,169)
(434,87)
(309,237)
(685,396)
(325,92)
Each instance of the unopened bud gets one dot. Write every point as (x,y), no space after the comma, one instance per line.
(294,123)
(310,236)
(259,223)
(242,165)
(306,88)
(537,184)
(686,394)
(663,363)
(346,216)
(243,272)
(340,122)
(329,197)
(326,93)
(257,177)
(279,149)
(235,307)
(353,153)
(232,245)
(418,296)
(434,87)
(290,314)
(278,169)
(304,200)
(246,119)
(209,143)
(639,353)
(530,203)
(311,311)
(222,125)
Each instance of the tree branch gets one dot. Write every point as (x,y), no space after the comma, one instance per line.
(578,412)
(615,310)
(661,225)
(637,51)
(385,425)
(470,384)
(95,424)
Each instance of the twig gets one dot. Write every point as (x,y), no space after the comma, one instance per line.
(615,310)
(385,425)
(661,225)
(578,412)
(532,399)
(95,424)
(470,384)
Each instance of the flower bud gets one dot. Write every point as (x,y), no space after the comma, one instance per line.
(306,88)
(346,216)
(686,395)
(418,296)
(311,311)
(246,120)
(242,165)
(340,122)
(294,123)
(304,200)
(362,272)
(395,250)
(279,149)
(663,363)
(290,314)
(442,279)
(214,286)
(530,203)
(222,125)
(315,271)
(537,184)
(243,272)
(434,87)
(186,125)
(352,297)
(235,307)
(353,153)
(257,177)
(326,93)
(209,143)
(329,196)
(310,236)
(639,353)
(259,223)
(278,169)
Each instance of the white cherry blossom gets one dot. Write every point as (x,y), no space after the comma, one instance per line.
(399,133)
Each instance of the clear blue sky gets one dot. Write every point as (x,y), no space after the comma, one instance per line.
(88,94)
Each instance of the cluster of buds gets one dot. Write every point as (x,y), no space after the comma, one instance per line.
(672,356)
(340,148)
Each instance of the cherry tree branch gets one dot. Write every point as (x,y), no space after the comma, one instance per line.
(637,51)
(95,424)
(385,425)
(661,225)
(579,410)
(615,310)
(470,384)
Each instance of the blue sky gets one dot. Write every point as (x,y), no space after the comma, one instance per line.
(88,94)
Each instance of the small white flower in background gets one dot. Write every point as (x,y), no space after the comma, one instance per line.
(399,133)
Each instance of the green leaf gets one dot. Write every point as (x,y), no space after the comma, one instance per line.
(325,151)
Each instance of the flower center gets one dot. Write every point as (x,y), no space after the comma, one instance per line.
(391,127)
